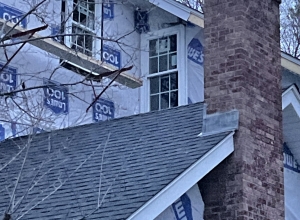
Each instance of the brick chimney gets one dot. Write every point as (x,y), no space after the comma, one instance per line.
(242,71)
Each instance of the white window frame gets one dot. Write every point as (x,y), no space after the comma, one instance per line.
(70,22)
(179,30)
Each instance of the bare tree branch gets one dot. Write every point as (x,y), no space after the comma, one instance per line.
(20,20)
(117,72)
(11,205)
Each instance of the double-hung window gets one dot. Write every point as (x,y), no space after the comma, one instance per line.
(80,25)
(163,63)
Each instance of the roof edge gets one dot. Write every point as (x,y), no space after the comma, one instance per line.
(181,11)
(291,96)
(185,180)
(291,63)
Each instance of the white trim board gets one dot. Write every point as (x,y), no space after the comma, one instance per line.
(181,11)
(291,97)
(290,63)
(185,181)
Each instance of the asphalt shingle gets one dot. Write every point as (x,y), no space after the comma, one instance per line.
(138,156)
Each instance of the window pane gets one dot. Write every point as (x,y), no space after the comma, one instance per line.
(154,85)
(76,16)
(164,83)
(89,42)
(74,37)
(83,19)
(174,81)
(163,63)
(174,99)
(91,21)
(172,61)
(164,45)
(80,40)
(153,65)
(92,6)
(154,102)
(83,3)
(75,4)
(164,101)
(173,43)
(152,48)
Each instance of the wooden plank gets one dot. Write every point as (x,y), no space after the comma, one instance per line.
(80,59)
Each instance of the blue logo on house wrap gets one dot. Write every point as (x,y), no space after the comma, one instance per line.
(56,97)
(195,51)
(12,14)
(103,110)
(289,161)
(111,56)
(183,208)
(108,11)
(8,79)
(2,133)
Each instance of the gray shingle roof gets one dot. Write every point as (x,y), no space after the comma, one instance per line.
(138,156)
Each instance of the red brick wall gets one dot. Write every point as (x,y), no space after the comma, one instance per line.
(242,71)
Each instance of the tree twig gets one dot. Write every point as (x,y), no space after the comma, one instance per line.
(20,20)
(117,72)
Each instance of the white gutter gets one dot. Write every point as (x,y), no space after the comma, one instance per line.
(185,181)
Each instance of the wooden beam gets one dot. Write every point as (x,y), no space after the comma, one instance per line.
(80,59)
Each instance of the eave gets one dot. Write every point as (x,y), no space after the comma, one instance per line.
(185,181)
(291,119)
(181,11)
(97,67)
(290,63)
(291,96)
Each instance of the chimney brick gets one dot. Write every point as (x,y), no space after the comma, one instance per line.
(242,71)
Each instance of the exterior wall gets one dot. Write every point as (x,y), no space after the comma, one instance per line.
(33,66)
(291,184)
(195,59)
(242,71)
(189,206)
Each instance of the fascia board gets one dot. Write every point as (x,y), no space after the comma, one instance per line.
(181,11)
(291,96)
(77,58)
(185,181)
(290,63)
(197,20)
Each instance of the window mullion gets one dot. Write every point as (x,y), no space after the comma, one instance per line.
(169,90)
(159,91)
